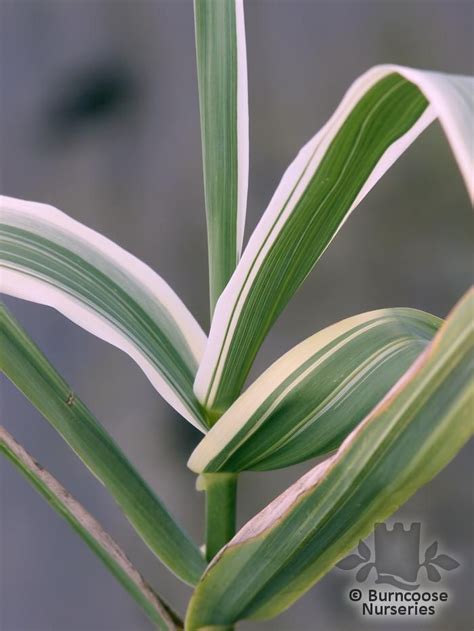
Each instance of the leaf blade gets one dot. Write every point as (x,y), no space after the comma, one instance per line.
(51,259)
(412,434)
(222,81)
(26,366)
(380,116)
(89,530)
(309,400)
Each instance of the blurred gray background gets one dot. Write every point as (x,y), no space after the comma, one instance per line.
(99,116)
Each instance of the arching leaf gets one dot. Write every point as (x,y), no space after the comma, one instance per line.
(51,259)
(403,443)
(310,399)
(380,116)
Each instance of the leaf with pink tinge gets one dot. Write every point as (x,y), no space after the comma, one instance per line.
(402,444)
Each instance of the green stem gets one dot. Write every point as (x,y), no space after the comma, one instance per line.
(221,494)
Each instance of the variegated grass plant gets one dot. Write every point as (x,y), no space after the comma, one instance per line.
(383,396)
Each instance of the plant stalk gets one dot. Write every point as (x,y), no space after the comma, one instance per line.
(221,495)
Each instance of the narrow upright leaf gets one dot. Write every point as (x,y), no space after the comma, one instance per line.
(222,79)
(26,366)
(380,116)
(404,442)
(91,532)
(49,258)
(309,400)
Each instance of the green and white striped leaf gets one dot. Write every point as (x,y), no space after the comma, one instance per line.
(26,366)
(309,400)
(91,532)
(404,442)
(51,259)
(380,116)
(222,79)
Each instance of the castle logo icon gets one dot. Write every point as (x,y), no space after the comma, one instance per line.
(396,560)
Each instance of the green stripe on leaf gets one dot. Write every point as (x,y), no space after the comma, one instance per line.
(26,366)
(309,400)
(402,444)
